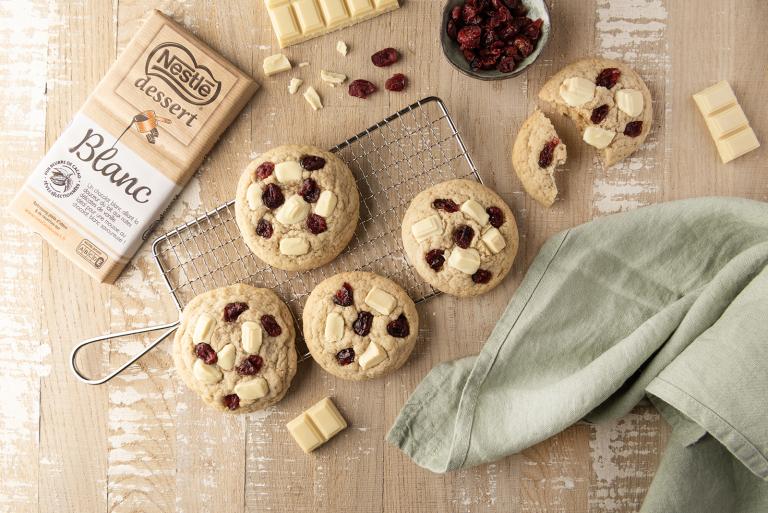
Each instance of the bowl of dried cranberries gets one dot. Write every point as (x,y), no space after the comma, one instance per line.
(494,39)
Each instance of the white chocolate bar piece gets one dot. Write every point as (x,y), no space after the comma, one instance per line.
(203,328)
(326,418)
(726,121)
(208,374)
(381,301)
(304,431)
(715,98)
(313,98)
(738,144)
(494,240)
(325,203)
(252,389)
(630,101)
(294,210)
(294,246)
(275,64)
(576,91)
(251,336)
(427,227)
(226,357)
(334,327)
(372,356)
(476,211)
(598,137)
(288,171)
(464,260)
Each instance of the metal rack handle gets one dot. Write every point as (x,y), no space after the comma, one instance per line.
(170,328)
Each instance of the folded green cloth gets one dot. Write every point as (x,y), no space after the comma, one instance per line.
(669,301)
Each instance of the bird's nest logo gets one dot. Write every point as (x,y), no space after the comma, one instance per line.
(61,179)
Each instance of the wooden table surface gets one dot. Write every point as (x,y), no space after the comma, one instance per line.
(143,443)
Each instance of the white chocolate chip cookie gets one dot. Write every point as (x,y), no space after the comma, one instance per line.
(608,101)
(360,325)
(235,348)
(297,207)
(460,236)
(537,143)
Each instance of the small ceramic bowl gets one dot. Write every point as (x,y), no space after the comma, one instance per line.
(452,52)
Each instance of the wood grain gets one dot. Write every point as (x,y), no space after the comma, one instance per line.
(144,443)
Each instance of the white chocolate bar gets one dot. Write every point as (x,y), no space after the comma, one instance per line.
(203,328)
(250,334)
(372,356)
(253,389)
(334,327)
(326,418)
(295,21)
(427,227)
(288,171)
(494,240)
(381,301)
(293,211)
(325,203)
(476,211)
(226,357)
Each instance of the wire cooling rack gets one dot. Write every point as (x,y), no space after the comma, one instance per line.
(392,161)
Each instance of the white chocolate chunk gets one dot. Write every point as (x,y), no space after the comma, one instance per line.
(313,98)
(598,137)
(276,64)
(334,327)
(252,389)
(208,374)
(203,328)
(226,357)
(372,356)
(326,203)
(303,64)
(427,227)
(332,78)
(294,246)
(304,431)
(294,84)
(381,301)
(341,47)
(294,210)
(476,211)
(253,195)
(630,101)
(494,240)
(576,91)
(465,260)
(250,336)
(326,418)
(288,171)
(715,98)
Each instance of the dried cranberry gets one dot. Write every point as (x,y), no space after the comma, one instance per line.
(385,57)
(272,197)
(233,310)
(469,55)
(462,236)
(250,365)
(452,29)
(270,325)
(231,401)
(481,276)
(361,88)
(344,296)
(469,37)
(608,77)
(309,190)
(396,82)
(469,14)
(633,128)
(345,356)
(598,114)
(507,32)
(363,323)
(264,228)
(506,64)
(495,216)
(548,152)
(399,327)
(206,353)
(448,205)
(435,259)
(312,162)
(489,37)
(265,170)
(533,31)
(523,45)
(456,12)
(316,224)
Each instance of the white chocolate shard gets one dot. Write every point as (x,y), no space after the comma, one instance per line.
(313,98)
(598,137)
(476,211)
(630,102)
(208,374)
(294,210)
(464,260)
(576,91)
(251,336)
(226,357)
(381,301)
(427,227)
(276,64)
(332,78)
(326,203)
(372,356)
(342,48)
(326,418)
(252,389)
(288,171)
(203,328)
(294,84)
(303,64)
(494,240)
(334,327)
(294,246)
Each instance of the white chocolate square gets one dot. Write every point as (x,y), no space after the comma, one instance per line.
(306,434)
(476,211)
(251,337)
(288,171)
(326,418)
(294,210)
(427,227)
(715,98)
(494,240)
(208,374)
(226,357)
(381,301)
(333,11)
(372,356)
(598,137)
(738,144)
(334,327)
(727,121)
(308,15)
(326,203)
(252,389)
(294,246)
(275,64)
(630,101)
(464,260)
(203,328)
(359,7)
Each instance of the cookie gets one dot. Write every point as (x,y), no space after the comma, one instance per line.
(360,325)
(297,207)
(609,103)
(535,154)
(460,236)
(235,347)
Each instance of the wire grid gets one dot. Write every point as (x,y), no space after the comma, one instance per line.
(392,161)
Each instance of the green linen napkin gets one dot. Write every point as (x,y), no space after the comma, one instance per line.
(669,301)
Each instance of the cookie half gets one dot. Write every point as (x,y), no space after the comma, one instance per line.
(235,347)
(360,325)
(297,207)
(537,151)
(608,101)
(460,236)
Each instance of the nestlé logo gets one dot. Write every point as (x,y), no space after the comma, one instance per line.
(177,67)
